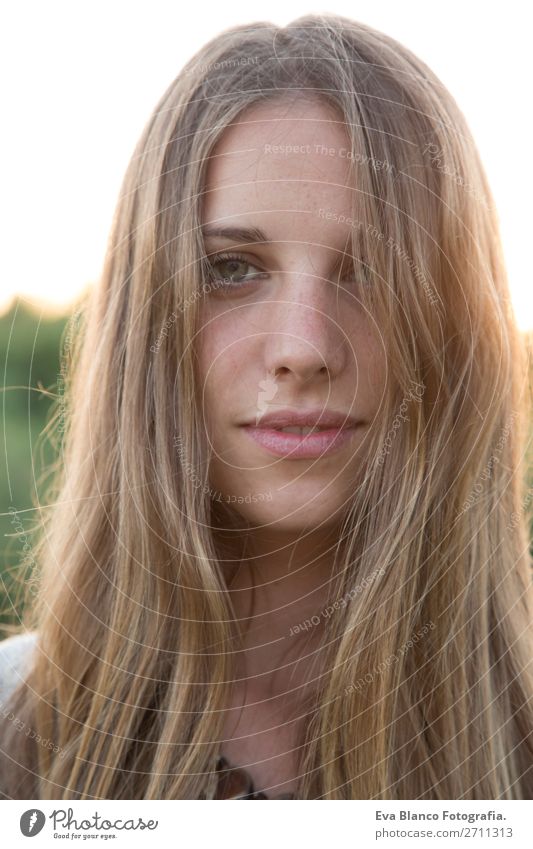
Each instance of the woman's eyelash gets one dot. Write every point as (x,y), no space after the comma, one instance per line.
(219,259)
(227,283)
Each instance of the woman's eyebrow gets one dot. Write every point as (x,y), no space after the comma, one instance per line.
(236,234)
(249,235)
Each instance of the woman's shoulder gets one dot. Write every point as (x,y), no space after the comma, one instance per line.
(15,658)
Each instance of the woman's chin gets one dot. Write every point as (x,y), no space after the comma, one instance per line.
(284,511)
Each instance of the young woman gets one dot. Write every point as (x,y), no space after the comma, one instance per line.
(305,238)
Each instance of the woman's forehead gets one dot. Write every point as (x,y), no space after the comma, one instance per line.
(281,175)
(309,141)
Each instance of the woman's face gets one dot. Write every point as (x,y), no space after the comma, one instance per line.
(282,329)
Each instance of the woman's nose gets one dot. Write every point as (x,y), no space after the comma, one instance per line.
(304,336)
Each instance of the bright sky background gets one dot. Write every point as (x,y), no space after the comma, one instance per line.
(81,79)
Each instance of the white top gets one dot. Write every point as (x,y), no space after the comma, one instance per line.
(15,661)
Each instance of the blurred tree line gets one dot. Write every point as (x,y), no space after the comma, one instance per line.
(30,360)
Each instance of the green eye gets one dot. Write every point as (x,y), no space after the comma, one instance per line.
(232,272)
(229,272)
(232,269)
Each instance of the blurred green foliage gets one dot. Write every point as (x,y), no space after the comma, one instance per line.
(31,371)
(30,363)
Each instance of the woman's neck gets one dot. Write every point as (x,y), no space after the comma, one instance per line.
(278,587)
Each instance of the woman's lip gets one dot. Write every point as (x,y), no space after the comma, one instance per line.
(300,446)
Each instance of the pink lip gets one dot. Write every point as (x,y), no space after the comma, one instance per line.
(298,446)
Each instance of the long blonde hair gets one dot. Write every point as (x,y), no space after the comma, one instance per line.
(428,691)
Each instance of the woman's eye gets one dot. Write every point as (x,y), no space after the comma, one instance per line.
(357,273)
(231,271)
